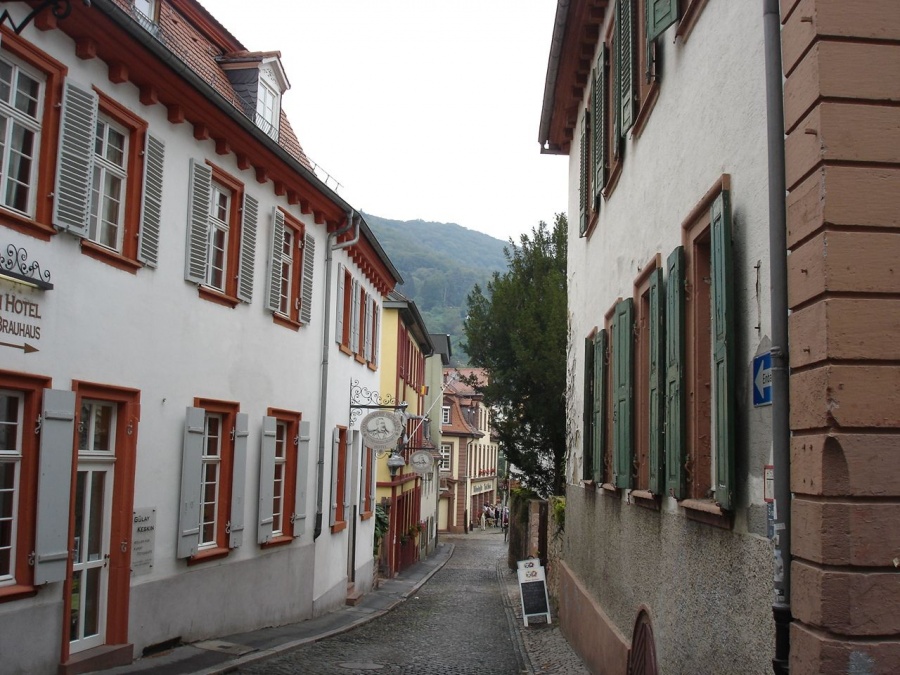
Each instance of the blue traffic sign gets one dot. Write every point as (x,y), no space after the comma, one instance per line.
(762,379)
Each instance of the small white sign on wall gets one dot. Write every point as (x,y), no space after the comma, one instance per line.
(143,538)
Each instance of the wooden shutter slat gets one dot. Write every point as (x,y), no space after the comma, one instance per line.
(723,348)
(583,177)
(249,223)
(655,333)
(306,292)
(625,29)
(199,191)
(600,402)
(623,348)
(600,127)
(587,470)
(675,394)
(51,560)
(75,166)
(273,296)
(151,201)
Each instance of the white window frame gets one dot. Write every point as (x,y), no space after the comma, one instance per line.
(214,461)
(445,414)
(147,8)
(446,455)
(286,261)
(280,479)
(104,167)
(267,108)
(12,456)
(87,428)
(20,120)
(217,237)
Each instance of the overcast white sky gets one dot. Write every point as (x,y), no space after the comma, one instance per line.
(423,109)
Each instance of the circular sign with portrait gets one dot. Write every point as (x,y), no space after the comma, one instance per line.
(381,429)
(421,461)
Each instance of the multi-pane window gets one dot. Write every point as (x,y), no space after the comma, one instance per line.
(11,409)
(106,222)
(446,449)
(287,271)
(222,222)
(339,482)
(96,427)
(291,268)
(357,329)
(278,483)
(217,247)
(147,8)
(210,474)
(445,414)
(267,109)
(21,94)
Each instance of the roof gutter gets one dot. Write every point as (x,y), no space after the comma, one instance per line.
(556,46)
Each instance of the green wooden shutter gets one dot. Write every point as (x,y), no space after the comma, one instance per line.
(587,464)
(151,201)
(675,399)
(75,165)
(249,220)
(623,377)
(583,178)
(660,15)
(273,289)
(723,348)
(600,126)
(599,403)
(655,333)
(199,194)
(625,25)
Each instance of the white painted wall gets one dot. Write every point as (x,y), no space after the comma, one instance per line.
(150,331)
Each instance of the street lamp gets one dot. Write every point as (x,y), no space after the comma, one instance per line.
(395,462)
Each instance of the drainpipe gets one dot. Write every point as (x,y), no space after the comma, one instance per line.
(352,221)
(781,426)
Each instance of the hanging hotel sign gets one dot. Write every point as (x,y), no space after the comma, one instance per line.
(421,461)
(381,429)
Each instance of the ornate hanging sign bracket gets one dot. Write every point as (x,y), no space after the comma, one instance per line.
(362,398)
(60,9)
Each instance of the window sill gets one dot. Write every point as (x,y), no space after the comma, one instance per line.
(108,256)
(689,19)
(27,226)
(615,173)
(338,526)
(345,350)
(645,499)
(275,542)
(360,359)
(16,592)
(208,554)
(218,297)
(365,515)
(646,108)
(372,366)
(285,321)
(609,487)
(708,512)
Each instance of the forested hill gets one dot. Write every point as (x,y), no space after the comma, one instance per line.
(440,264)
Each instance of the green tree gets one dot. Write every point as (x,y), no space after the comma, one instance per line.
(516,330)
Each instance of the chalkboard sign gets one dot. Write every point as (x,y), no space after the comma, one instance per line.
(533,591)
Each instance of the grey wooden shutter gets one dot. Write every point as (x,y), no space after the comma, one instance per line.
(625,25)
(657,368)
(306,281)
(587,470)
(376,338)
(350,483)
(249,220)
(266,479)
(302,480)
(354,317)
(660,15)
(623,365)
(273,295)
(370,309)
(51,561)
(238,479)
(600,402)
(675,394)
(339,312)
(191,469)
(75,162)
(199,191)
(151,201)
(723,348)
(335,451)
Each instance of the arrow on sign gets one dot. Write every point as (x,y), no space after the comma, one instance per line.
(762,379)
(27,348)
(759,380)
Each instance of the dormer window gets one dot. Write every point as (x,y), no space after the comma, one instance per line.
(147,8)
(147,14)
(259,82)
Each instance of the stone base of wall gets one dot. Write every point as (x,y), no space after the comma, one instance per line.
(814,653)
(588,629)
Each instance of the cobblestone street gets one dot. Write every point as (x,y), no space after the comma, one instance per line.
(464,620)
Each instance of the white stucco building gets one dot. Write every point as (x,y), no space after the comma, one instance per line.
(184,307)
